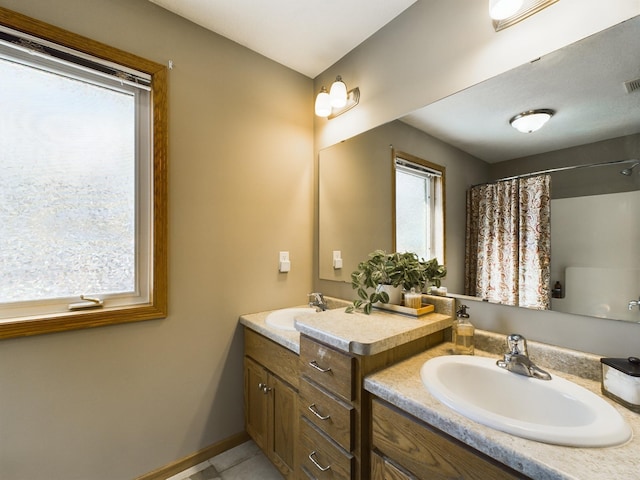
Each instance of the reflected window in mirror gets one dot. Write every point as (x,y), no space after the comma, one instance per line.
(418,206)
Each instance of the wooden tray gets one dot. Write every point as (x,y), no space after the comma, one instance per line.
(414,312)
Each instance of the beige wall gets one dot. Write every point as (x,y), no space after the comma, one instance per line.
(117,402)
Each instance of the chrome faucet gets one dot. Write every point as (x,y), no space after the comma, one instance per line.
(634,303)
(317,301)
(517,360)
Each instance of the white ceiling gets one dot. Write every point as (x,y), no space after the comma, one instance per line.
(583,82)
(307,36)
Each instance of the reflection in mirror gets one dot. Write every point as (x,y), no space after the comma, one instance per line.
(356,201)
(355,206)
(508,242)
(595,217)
(418,206)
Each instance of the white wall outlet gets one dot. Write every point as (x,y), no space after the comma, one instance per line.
(284,264)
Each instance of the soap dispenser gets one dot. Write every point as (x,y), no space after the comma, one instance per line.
(462,333)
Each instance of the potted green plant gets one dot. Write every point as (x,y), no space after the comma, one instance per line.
(402,270)
(434,272)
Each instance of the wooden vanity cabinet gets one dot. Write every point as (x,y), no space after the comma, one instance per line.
(271,398)
(327,412)
(404,447)
(335,408)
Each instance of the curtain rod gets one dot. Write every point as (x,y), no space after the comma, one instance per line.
(560,169)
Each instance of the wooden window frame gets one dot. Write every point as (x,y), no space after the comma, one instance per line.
(433,166)
(156,307)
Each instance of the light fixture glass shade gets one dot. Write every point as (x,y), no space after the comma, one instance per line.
(528,122)
(323,103)
(501,9)
(338,93)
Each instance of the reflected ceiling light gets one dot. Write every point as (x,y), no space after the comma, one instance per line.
(337,100)
(501,9)
(506,13)
(528,122)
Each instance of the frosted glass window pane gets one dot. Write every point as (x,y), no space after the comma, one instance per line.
(412,215)
(67,188)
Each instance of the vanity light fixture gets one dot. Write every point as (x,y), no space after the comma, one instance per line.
(337,100)
(338,93)
(323,103)
(501,9)
(529,122)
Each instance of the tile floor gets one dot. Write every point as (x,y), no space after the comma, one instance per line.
(244,462)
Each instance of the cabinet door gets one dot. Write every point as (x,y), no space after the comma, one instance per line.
(428,453)
(383,470)
(256,402)
(283,425)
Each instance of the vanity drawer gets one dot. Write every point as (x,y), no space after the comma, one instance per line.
(328,413)
(327,367)
(320,458)
(274,357)
(428,453)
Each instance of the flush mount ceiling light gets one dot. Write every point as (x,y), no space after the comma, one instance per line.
(337,100)
(501,9)
(509,12)
(528,122)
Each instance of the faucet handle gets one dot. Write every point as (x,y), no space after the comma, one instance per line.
(517,344)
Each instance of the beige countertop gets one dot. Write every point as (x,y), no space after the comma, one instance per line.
(401,385)
(257,322)
(369,334)
(356,332)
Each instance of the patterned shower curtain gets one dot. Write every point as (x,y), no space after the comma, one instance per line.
(508,242)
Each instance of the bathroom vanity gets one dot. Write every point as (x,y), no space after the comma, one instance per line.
(335,351)
(399,394)
(344,400)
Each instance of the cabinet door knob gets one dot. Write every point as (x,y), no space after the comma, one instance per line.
(315,365)
(315,462)
(313,409)
(261,386)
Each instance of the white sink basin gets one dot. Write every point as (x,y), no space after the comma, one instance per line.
(284,319)
(554,411)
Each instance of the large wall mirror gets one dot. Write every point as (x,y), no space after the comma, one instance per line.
(595,211)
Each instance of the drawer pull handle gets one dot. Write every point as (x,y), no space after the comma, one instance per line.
(313,409)
(264,387)
(315,365)
(315,462)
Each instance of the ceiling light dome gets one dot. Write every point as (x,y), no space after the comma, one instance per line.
(501,9)
(528,122)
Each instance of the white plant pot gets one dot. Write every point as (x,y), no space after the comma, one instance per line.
(395,293)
